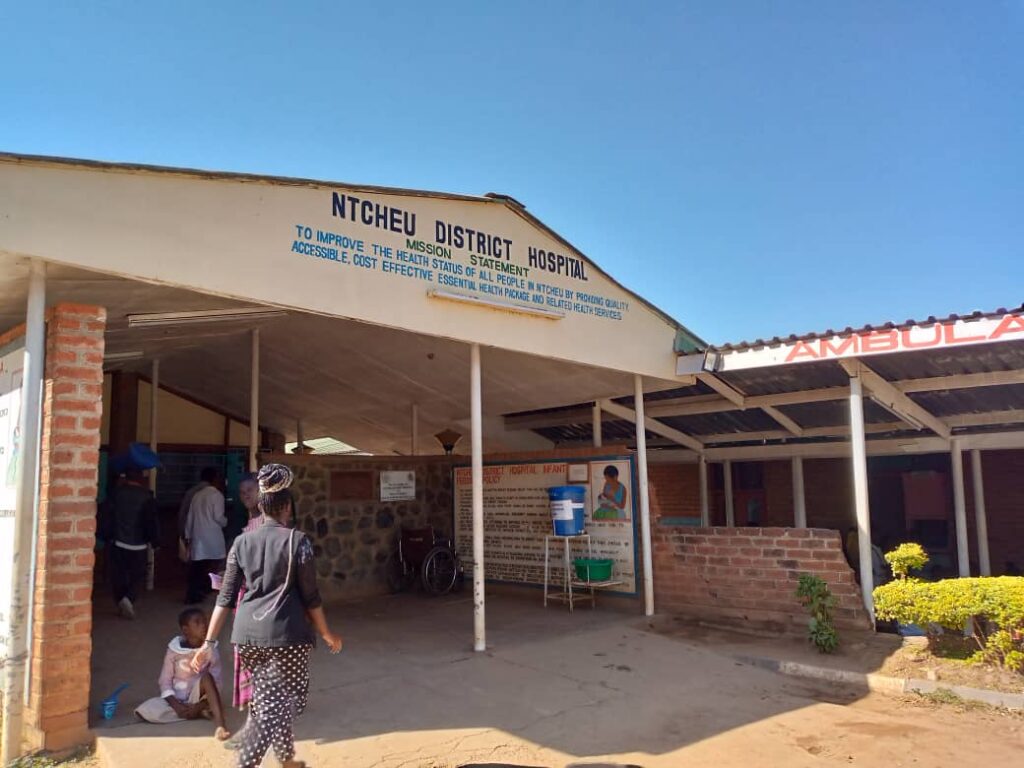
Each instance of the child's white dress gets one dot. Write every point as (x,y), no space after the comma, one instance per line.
(177,679)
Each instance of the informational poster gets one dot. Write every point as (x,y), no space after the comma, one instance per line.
(398,486)
(517,517)
(11,370)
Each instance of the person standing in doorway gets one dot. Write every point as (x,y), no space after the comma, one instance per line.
(275,622)
(129,526)
(207,478)
(204,538)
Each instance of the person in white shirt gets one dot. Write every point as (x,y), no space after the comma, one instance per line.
(204,537)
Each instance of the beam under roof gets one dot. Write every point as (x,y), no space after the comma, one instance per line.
(889,397)
(652,425)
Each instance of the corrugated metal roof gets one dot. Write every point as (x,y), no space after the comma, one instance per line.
(724,422)
(978,400)
(732,424)
(787,378)
(849,331)
(950,361)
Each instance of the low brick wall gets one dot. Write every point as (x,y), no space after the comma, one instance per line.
(750,575)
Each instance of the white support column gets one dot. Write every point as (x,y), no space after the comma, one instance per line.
(730,509)
(980,519)
(645,496)
(963,558)
(860,492)
(15,667)
(414,430)
(702,473)
(154,398)
(598,438)
(254,401)
(154,391)
(799,502)
(477,449)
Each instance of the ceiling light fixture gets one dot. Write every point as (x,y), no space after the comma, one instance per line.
(155,319)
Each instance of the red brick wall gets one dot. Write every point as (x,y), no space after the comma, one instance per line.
(1003,476)
(828,493)
(750,575)
(57,716)
(674,490)
(778,493)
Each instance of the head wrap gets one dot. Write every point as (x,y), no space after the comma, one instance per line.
(274,477)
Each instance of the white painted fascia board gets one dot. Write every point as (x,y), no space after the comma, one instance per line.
(690,364)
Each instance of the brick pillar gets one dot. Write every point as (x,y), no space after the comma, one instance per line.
(57,715)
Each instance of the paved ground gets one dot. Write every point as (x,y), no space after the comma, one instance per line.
(554,690)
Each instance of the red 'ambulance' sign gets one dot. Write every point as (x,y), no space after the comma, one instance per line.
(878,342)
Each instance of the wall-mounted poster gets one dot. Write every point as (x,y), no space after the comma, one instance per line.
(398,486)
(517,517)
(610,491)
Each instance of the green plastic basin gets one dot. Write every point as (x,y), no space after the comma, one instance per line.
(592,569)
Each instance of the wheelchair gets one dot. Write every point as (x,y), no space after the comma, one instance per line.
(423,555)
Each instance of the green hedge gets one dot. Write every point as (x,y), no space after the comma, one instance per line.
(995,605)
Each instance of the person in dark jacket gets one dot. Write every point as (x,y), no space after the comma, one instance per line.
(274,622)
(130,527)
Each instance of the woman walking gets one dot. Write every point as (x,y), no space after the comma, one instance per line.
(249,495)
(271,629)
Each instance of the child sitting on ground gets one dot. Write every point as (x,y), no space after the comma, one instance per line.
(184,694)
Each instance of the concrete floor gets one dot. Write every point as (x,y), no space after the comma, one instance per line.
(593,688)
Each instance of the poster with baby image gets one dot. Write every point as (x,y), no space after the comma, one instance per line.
(609,491)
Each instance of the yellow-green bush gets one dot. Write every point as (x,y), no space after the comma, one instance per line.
(995,605)
(906,558)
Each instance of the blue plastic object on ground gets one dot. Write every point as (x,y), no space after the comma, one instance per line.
(108,707)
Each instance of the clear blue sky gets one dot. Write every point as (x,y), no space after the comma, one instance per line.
(753,168)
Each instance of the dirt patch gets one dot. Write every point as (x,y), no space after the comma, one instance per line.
(859,650)
(914,660)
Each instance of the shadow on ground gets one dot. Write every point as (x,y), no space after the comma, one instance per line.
(584,685)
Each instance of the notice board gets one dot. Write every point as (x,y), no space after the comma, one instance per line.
(517,516)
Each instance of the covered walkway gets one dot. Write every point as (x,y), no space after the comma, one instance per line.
(295,308)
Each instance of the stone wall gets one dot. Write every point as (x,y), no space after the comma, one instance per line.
(353,537)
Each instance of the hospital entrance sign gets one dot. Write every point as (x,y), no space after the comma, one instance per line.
(474,269)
